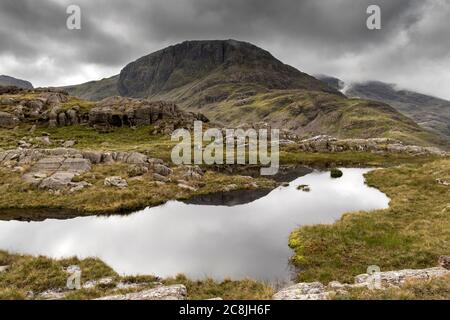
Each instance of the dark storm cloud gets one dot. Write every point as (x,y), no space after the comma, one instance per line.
(317,36)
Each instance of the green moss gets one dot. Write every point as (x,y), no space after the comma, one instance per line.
(336,173)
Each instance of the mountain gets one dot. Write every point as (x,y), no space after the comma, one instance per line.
(429,112)
(332,82)
(233,83)
(10,81)
(95,90)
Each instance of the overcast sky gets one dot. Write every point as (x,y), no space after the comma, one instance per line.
(316,36)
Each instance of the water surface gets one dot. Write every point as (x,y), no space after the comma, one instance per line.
(219,241)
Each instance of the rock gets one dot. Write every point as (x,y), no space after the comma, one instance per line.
(48,164)
(69,144)
(62,119)
(93,283)
(137,170)
(230,187)
(8,120)
(396,278)
(162,169)
(107,157)
(78,186)
(76,165)
(325,143)
(186,187)
(303,291)
(285,184)
(73,269)
(57,181)
(94,156)
(72,117)
(136,158)
(53,295)
(444,262)
(193,173)
(33,129)
(45,140)
(160,178)
(174,292)
(3,268)
(443,182)
(118,182)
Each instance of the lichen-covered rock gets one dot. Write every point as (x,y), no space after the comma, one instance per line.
(174,292)
(162,169)
(57,181)
(137,170)
(116,181)
(303,291)
(396,278)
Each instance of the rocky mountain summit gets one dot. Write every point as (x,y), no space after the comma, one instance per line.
(209,63)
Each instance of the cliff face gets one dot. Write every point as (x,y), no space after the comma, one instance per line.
(219,61)
(10,81)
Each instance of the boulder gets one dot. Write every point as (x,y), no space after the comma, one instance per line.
(303,291)
(8,120)
(94,156)
(69,143)
(136,158)
(118,182)
(57,181)
(137,170)
(76,165)
(173,292)
(160,178)
(162,169)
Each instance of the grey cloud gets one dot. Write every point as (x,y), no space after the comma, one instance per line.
(321,36)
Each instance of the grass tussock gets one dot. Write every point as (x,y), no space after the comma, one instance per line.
(432,289)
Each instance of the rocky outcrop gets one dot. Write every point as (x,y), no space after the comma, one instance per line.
(303,291)
(174,292)
(378,280)
(49,107)
(8,120)
(55,169)
(116,181)
(325,143)
(118,111)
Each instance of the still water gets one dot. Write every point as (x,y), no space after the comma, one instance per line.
(206,239)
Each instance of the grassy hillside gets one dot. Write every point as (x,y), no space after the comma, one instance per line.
(95,90)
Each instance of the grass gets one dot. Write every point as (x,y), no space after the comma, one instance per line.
(99,199)
(39,274)
(411,233)
(432,289)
